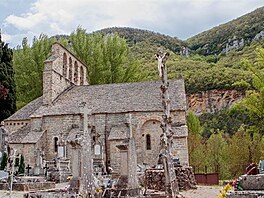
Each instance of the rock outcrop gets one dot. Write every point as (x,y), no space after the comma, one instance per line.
(213,100)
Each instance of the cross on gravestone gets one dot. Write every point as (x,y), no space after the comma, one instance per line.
(46,170)
(28,168)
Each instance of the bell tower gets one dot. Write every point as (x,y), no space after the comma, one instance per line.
(61,70)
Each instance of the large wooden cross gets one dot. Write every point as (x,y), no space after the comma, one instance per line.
(171,183)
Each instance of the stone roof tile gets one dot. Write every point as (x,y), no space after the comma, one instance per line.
(25,112)
(32,137)
(115,98)
(24,135)
(17,136)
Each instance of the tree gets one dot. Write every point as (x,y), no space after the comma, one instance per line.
(21,169)
(253,103)
(7,82)
(29,64)
(196,148)
(107,57)
(216,155)
(3,161)
(193,123)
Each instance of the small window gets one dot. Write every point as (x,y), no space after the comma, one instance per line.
(148,142)
(56,144)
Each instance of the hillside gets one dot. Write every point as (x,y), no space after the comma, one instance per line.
(209,60)
(134,36)
(234,34)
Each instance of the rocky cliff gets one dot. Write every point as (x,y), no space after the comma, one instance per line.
(213,100)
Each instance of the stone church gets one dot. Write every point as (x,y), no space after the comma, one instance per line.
(117,110)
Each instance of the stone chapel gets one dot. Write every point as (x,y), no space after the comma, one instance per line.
(54,119)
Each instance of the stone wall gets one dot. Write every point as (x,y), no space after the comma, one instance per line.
(12,126)
(27,186)
(55,127)
(142,124)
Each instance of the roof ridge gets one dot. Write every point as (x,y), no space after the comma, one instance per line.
(64,91)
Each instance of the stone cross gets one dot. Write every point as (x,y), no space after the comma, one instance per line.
(46,170)
(28,168)
(86,186)
(171,184)
(132,158)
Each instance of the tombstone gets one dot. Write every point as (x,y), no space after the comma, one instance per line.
(38,162)
(128,183)
(97,150)
(61,153)
(123,159)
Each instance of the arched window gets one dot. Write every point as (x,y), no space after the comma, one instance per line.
(64,72)
(75,72)
(56,144)
(81,75)
(70,69)
(148,142)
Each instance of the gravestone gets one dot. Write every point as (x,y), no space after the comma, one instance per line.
(38,162)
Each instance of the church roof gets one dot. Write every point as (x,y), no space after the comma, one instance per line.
(24,135)
(116,98)
(25,112)
(108,98)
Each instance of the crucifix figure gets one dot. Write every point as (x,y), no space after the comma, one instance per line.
(162,58)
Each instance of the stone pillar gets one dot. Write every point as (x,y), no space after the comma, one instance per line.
(75,163)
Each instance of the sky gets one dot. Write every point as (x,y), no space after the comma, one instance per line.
(177,18)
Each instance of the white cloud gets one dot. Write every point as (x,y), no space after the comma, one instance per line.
(180,18)
(6,37)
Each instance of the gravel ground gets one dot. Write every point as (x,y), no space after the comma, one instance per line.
(203,192)
(200,192)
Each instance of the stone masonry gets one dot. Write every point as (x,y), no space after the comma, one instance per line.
(56,116)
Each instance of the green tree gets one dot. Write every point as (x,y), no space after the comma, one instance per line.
(216,155)
(29,64)
(107,57)
(3,161)
(238,152)
(7,82)
(21,168)
(193,123)
(196,148)
(253,103)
